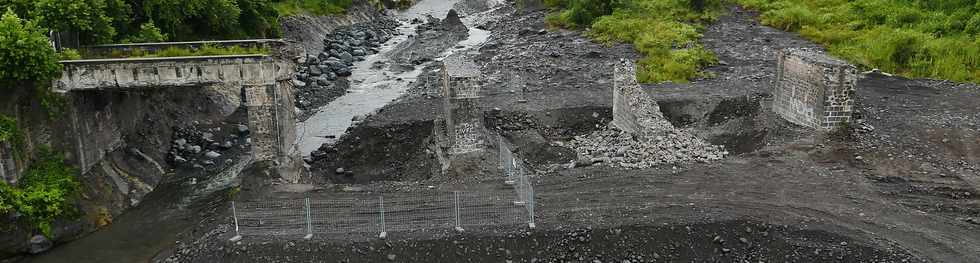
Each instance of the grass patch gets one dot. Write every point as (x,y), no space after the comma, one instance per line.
(913,38)
(310,7)
(204,50)
(666,32)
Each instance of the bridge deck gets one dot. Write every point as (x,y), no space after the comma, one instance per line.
(130,73)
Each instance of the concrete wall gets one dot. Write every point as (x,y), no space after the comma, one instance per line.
(272,125)
(813,89)
(633,110)
(103,74)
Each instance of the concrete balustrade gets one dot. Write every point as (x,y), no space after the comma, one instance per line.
(130,73)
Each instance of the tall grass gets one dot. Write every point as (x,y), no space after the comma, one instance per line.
(666,32)
(914,38)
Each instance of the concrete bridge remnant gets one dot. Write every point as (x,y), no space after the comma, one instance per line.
(813,89)
(461,134)
(264,80)
(633,110)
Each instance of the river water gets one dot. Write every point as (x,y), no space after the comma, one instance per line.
(373,88)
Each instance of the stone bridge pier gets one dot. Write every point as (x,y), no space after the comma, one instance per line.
(264,80)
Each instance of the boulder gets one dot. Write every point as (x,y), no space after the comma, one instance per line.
(346,57)
(323,81)
(39,244)
(212,154)
(358,52)
(344,72)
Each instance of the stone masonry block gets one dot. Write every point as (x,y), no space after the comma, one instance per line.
(813,89)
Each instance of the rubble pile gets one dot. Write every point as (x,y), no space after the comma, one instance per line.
(208,148)
(614,147)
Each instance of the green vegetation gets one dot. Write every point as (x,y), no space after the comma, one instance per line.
(25,51)
(47,188)
(204,50)
(149,33)
(69,54)
(25,54)
(8,129)
(45,192)
(666,32)
(314,7)
(914,38)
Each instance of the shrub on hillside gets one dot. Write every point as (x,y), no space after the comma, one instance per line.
(666,32)
(25,52)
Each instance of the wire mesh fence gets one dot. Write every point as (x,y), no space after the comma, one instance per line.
(378,214)
(517,176)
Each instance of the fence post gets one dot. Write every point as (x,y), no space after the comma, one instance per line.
(530,207)
(381,205)
(459,225)
(309,221)
(234,214)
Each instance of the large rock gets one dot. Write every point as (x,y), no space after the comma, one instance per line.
(344,72)
(346,57)
(39,244)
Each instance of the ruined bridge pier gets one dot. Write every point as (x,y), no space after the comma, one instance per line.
(264,79)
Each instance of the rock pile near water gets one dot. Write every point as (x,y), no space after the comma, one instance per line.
(316,77)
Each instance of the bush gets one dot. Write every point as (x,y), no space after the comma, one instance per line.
(581,13)
(69,54)
(25,52)
(149,33)
(666,32)
(45,192)
(312,7)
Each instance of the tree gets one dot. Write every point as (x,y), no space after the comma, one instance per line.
(25,53)
(148,33)
(87,17)
(193,19)
(20,7)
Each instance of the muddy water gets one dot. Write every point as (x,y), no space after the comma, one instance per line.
(373,88)
(141,232)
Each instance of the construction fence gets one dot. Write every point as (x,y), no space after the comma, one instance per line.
(378,214)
